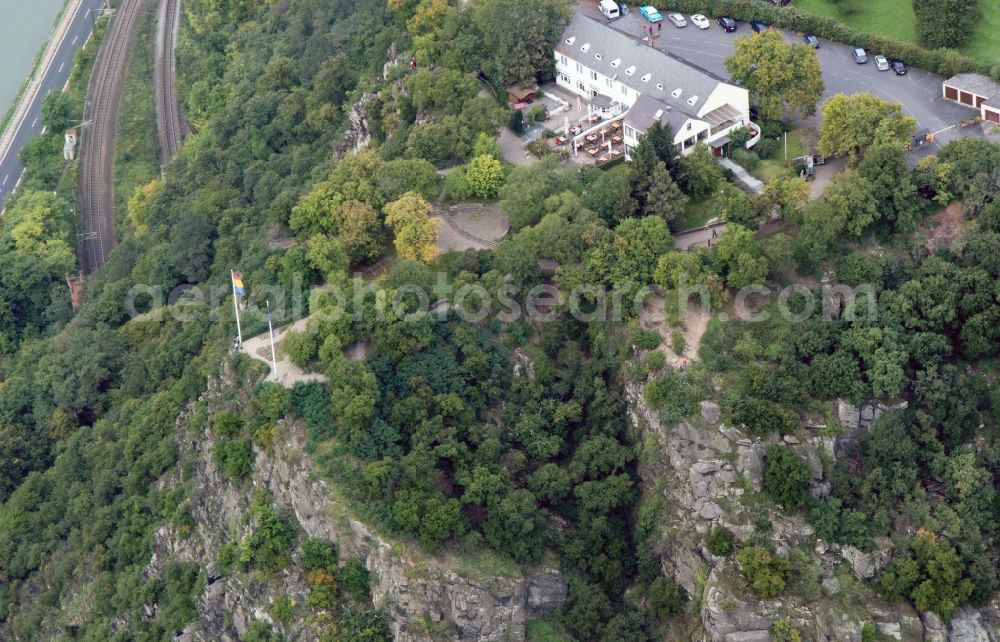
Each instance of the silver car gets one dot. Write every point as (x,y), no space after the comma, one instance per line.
(881,63)
(860,56)
(677,19)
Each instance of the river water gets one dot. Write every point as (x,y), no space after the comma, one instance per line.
(25,26)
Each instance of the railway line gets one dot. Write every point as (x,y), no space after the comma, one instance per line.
(97,146)
(170,125)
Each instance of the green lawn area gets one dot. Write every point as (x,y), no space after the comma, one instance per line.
(985,43)
(768,169)
(697,213)
(895,19)
(545,630)
(891,18)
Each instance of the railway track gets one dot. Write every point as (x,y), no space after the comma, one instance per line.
(97,146)
(170,125)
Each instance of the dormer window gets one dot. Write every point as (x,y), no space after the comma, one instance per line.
(676,93)
(692,100)
(616,62)
(659,86)
(570,40)
(630,70)
(585,48)
(598,56)
(646,77)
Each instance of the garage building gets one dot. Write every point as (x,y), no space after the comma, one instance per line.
(975,91)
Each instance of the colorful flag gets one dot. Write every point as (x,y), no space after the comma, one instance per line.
(238,285)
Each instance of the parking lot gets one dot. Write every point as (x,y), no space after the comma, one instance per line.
(919,92)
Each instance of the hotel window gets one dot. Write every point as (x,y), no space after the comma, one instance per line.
(564,78)
(563,61)
(593,75)
(580,86)
(579,68)
(608,81)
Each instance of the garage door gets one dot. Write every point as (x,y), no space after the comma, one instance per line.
(992,115)
(950,93)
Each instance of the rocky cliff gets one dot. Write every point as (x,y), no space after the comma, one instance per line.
(425,598)
(705,473)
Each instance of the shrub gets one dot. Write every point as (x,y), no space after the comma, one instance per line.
(646,340)
(226,423)
(355,580)
(766,573)
(537,113)
(319,555)
(457,186)
(786,477)
(300,347)
(283,609)
(677,342)
(869,632)
(666,598)
(768,148)
(746,159)
(234,457)
(720,541)
(782,631)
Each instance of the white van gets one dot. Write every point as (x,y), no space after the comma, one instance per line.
(610,9)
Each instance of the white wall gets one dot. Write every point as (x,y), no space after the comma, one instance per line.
(577,73)
(723,94)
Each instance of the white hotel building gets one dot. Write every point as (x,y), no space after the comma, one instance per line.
(617,74)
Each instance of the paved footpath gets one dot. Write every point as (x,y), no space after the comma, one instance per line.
(289,374)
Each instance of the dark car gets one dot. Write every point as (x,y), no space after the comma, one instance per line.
(759,26)
(898,66)
(727,23)
(811,40)
(622,9)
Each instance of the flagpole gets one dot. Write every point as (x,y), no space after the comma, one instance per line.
(270,332)
(236,307)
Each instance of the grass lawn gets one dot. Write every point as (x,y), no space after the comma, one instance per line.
(772,167)
(697,213)
(545,631)
(890,18)
(985,42)
(895,19)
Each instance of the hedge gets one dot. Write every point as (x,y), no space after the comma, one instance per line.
(945,62)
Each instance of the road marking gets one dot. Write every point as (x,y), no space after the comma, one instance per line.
(33,123)
(86,14)
(4,180)
(61,68)
(75,38)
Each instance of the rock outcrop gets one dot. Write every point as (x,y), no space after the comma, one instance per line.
(703,472)
(422,595)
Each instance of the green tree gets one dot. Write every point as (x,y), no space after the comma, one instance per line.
(485,176)
(853,123)
(779,75)
(57,111)
(664,199)
(739,258)
(946,23)
(699,174)
(415,231)
(518,37)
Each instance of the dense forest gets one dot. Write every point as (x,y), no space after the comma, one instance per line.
(508,435)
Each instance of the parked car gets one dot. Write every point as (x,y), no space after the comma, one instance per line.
(860,56)
(727,23)
(759,26)
(650,13)
(898,66)
(623,9)
(811,40)
(677,20)
(610,9)
(700,21)
(881,63)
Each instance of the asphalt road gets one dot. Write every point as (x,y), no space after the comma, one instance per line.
(54,80)
(919,92)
